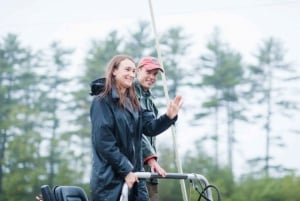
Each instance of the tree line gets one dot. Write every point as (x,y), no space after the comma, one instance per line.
(45,128)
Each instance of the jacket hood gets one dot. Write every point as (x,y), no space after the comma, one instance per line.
(97,86)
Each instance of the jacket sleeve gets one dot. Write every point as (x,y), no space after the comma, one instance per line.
(147,150)
(103,138)
(153,126)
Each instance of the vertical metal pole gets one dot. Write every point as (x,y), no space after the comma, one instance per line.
(177,158)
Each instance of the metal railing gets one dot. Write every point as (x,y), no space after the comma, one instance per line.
(190,176)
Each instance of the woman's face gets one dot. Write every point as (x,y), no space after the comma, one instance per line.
(124,74)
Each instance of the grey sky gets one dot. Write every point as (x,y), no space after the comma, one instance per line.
(31,18)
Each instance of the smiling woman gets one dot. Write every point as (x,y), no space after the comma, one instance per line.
(118,122)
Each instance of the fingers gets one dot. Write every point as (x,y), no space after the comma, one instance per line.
(178,100)
(161,172)
(157,168)
(152,168)
(174,106)
(130,179)
(39,198)
(176,103)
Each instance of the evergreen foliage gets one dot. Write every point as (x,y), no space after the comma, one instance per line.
(45,128)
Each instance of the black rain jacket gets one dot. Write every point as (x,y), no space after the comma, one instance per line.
(116,144)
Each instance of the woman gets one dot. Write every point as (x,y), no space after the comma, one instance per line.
(117,126)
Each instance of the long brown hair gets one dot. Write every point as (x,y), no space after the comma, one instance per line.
(110,82)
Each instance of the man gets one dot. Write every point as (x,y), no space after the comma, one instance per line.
(146,76)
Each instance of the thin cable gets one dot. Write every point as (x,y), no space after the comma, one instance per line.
(202,193)
(178,162)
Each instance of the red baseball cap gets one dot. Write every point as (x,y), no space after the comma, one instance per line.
(150,63)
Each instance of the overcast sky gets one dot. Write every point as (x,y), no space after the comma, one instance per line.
(39,22)
(244,23)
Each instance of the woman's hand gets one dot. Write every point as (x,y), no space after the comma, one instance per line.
(130,179)
(174,106)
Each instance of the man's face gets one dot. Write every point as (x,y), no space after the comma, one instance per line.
(146,78)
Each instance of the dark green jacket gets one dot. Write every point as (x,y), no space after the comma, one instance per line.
(148,143)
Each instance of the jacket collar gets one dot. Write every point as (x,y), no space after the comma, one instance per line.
(116,96)
(114,93)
